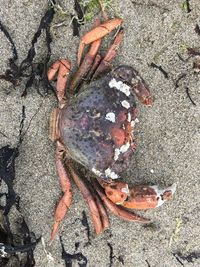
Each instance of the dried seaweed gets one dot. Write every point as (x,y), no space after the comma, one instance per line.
(27,68)
(148,264)
(197,29)
(190,258)
(193,51)
(188,95)
(85,223)
(179,79)
(111,256)
(120,258)
(78,19)
(7,174)
(153,65)
(10,245)
(70,258)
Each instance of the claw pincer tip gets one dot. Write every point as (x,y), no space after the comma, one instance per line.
(163,195)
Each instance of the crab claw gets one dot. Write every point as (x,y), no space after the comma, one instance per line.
(130,76)
(97,33)
(139,197)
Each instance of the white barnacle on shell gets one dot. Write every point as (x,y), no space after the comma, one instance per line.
(125,104)
(119,85)
(120,150)
(129,117)
(125,147)
(134,122)
(95,171)
(110,116)
(116,154)
(111,174)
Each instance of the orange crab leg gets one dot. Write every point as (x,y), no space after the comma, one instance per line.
(103,213)
(139,197)
(86,64)
(89,200)
(117,210)
(66,200)
(110,55)
(95,65)
(102,210)
(62,67)
(97,33)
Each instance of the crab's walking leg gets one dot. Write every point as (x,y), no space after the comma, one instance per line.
(89,200)
(66,199)
(101,208)
(110,55)
(117,210)
(62,67)
(95,65)
(97,33)
(86,64)
(138,197)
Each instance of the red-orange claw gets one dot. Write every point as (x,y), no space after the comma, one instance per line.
(117,192)
(148,197)
(97,33)
(119,211)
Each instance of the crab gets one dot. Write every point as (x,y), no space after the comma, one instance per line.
(95,128)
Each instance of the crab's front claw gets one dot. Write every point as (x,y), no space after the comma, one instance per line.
(117,192)
(138,197)
(97,33)
(131,77)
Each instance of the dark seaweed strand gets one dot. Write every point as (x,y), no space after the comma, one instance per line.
(7,166)
(13,47)
(188,95)
(111,256)
(177,258)
(44,23)
(85,223)
(27,239)
(69,258)
(10,75)
(15,73)
(187,3)
(77,21)
(193,51)
(79,10)
(7,174)
(179,79)
(27,62)
(197,29)
(47,84)
(75,26)
(153,65)
(148,264)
